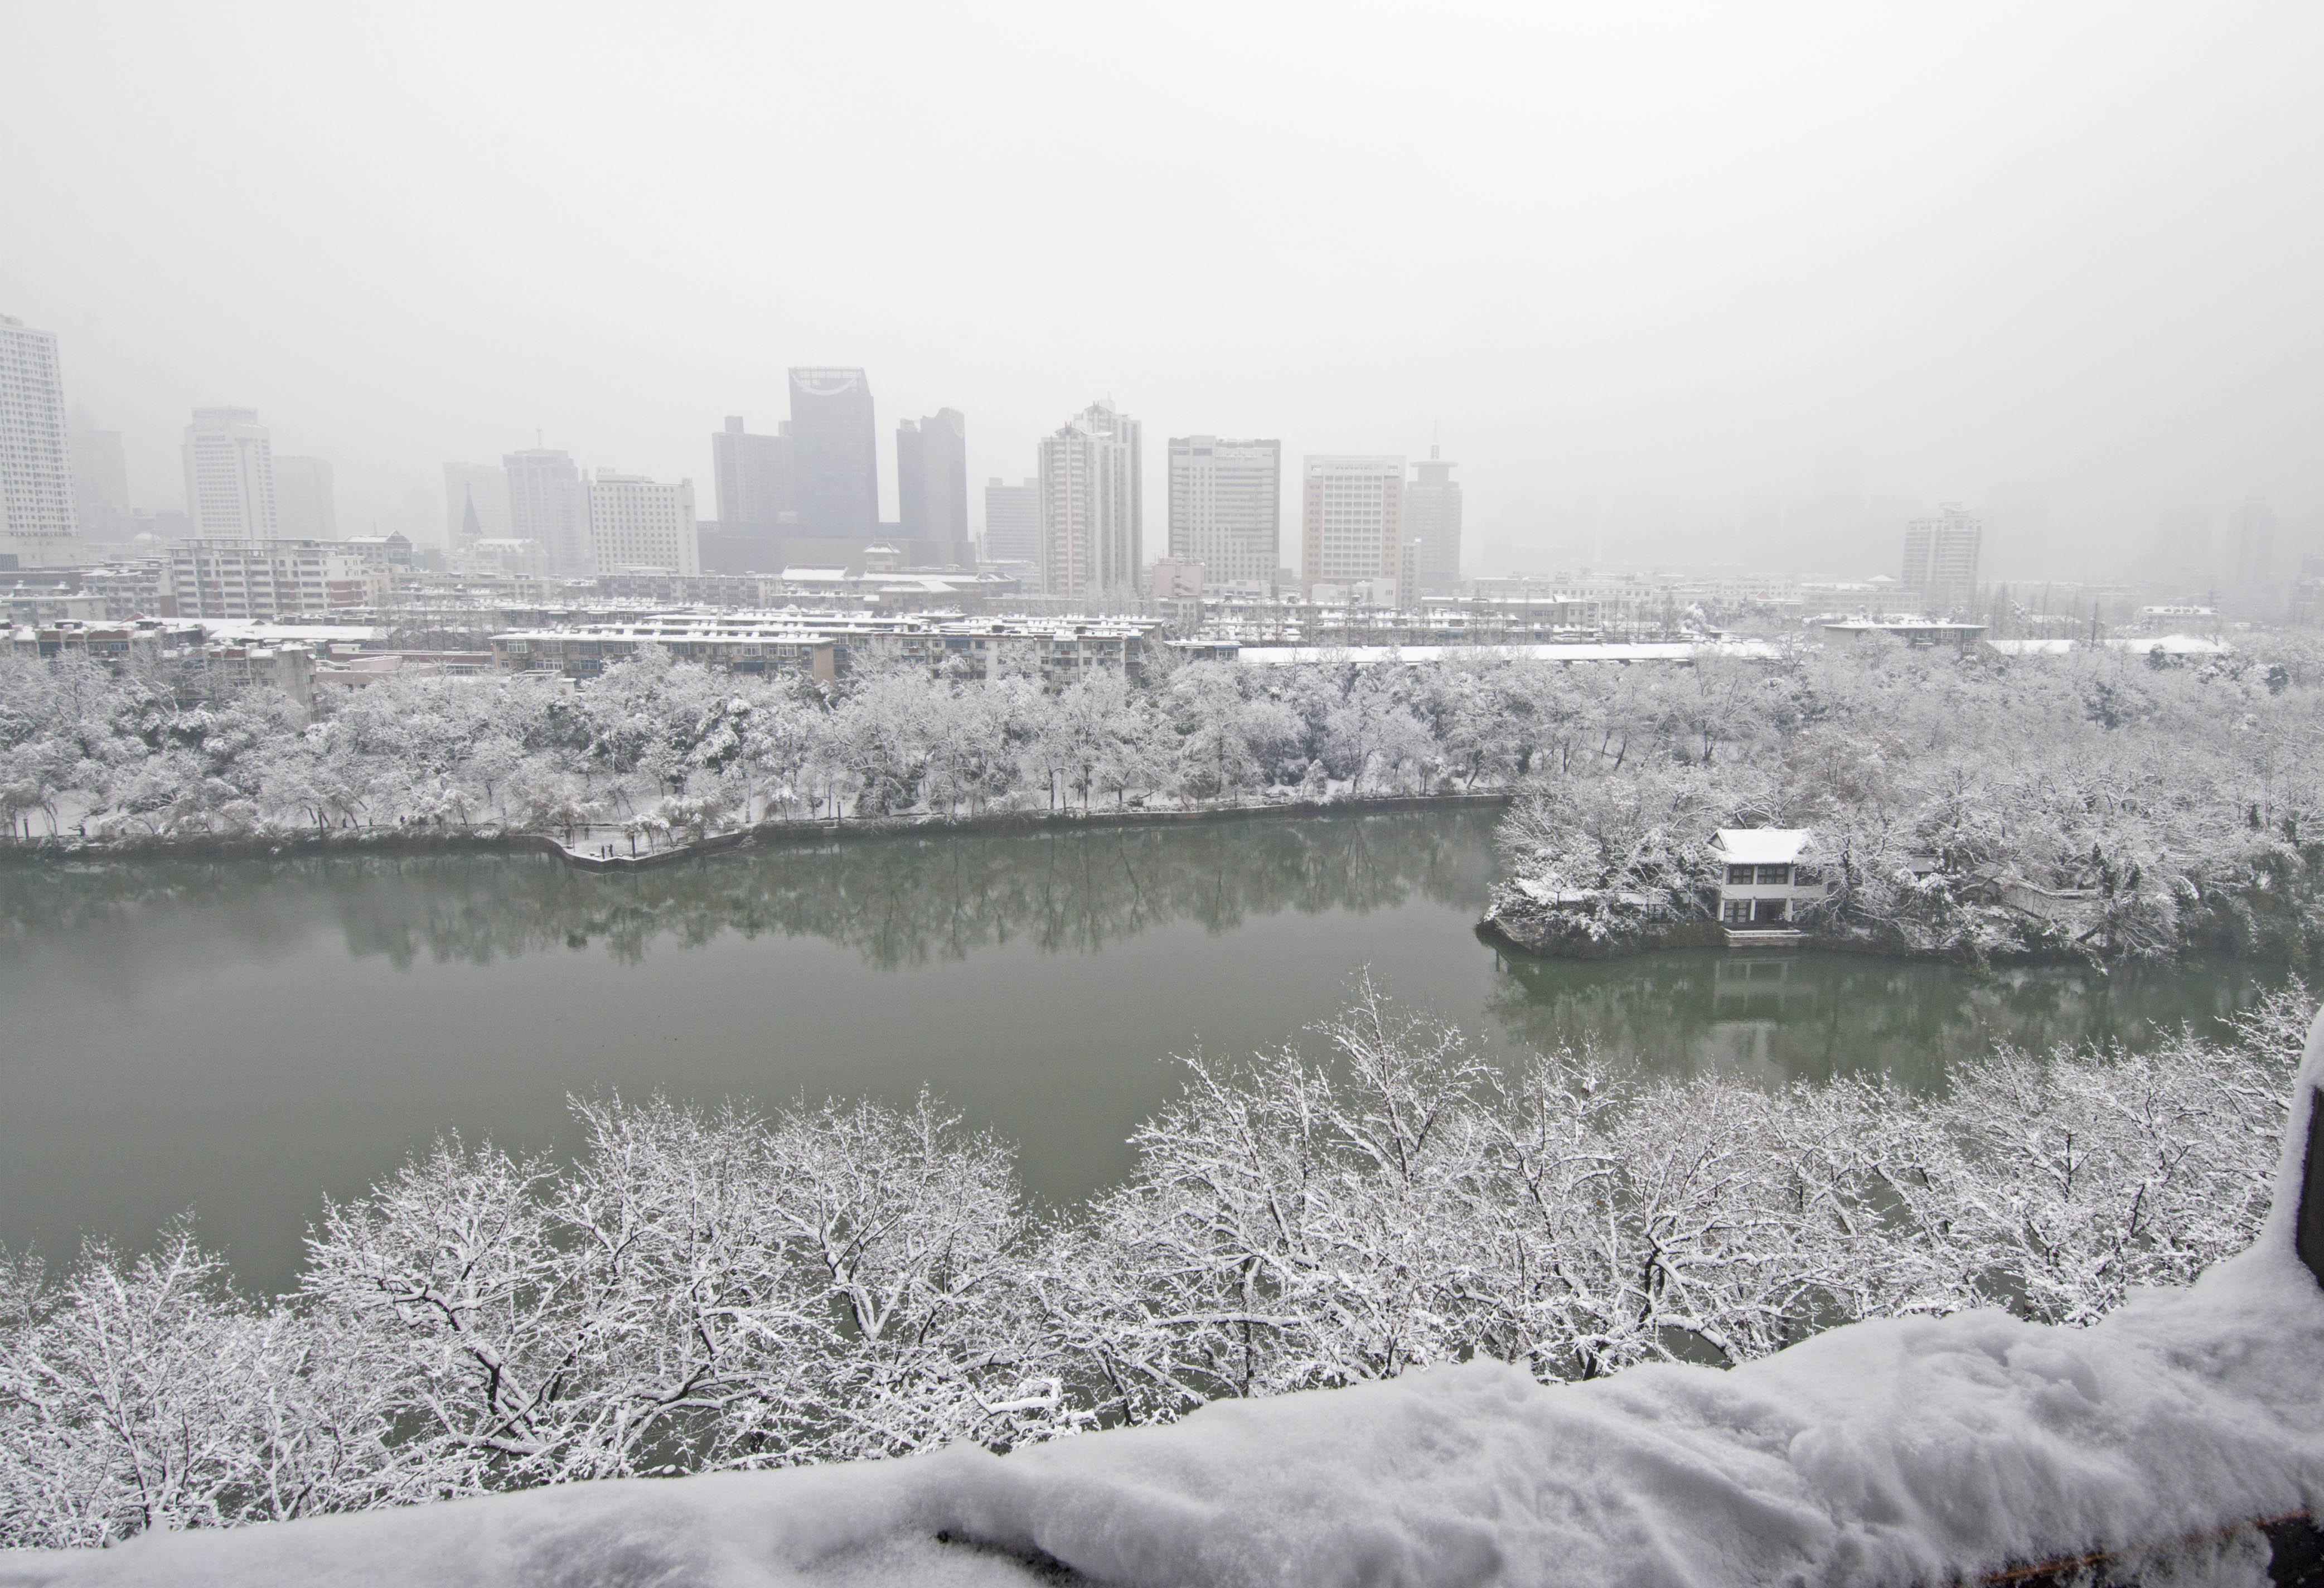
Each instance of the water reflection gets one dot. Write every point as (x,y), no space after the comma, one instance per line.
(244,1039)
(899,902)
(1776,1018)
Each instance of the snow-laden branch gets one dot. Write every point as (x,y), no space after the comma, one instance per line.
(698,1290)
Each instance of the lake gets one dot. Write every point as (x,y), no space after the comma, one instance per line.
(245,1037)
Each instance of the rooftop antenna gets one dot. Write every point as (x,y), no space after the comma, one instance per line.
(536,439)
(1436,429)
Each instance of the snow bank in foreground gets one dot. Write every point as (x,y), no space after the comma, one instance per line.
(1886,1451)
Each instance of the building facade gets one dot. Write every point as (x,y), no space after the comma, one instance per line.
(271,579)
(1432,529)
(101,478)
(1013,523)
(2251,546)
(835,454)
(1940,556)
(753,476)
(229,459)
(932,485)
(37,522)
(1092,513)
(635,522)
(1769,876)
(548,502)
(1351,511)
(1226,509)
(306,504)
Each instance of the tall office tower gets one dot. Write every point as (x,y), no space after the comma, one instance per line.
(306,507)
(1012,521)
(37,522)
(2251,543)
(550,503)
(1941,560)
(1093,509)
(100,477)
(834,456)
(1432,527)
(638,522)
(1226,508)
(230,475)
(1351,515)
(482,489)
(931,484)
(753,476)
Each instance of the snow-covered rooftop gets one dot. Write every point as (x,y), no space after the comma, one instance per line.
(1763,846)
(1285,655)
(2170,645)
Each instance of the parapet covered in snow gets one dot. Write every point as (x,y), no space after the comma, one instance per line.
(1900,1451)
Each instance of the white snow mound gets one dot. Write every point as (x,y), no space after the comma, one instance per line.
(1897,1452)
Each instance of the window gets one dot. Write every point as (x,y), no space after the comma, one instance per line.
(1778,874)
(1738,912)
(1738,876)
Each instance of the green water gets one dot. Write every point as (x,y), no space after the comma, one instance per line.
(243,1038)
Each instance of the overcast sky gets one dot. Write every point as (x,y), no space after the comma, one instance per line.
(1653,271)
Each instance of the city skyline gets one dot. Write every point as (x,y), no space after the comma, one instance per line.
(228,453)
(1437,552)
(1642,315)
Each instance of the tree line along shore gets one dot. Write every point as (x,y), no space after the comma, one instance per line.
(2106,805)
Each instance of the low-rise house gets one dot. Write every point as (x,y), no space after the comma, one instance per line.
(1916,631)
(1771,876)
(829,644)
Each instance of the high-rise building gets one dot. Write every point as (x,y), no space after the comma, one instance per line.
(481,489)
(101,477)
(1432,527)
(2251,544)
(1941,556)
(1351,515)
(1013,523)
(835,454)
(1226,509)
(37,522)
(229,461)
(548,502)
(1092,510)
(753,476)
(932,485)
(635,522)
(306,507)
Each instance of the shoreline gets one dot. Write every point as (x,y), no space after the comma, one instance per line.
(778,833)
(1685,935)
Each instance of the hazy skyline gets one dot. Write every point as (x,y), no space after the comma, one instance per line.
(1647,271)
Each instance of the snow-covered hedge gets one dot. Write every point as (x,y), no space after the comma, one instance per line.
(702,1290)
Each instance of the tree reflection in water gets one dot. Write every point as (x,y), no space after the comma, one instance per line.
(1779,1018)
(898,902)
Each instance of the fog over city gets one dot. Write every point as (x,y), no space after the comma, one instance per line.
(1672,283)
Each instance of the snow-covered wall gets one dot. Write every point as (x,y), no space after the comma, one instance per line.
(1897,1451)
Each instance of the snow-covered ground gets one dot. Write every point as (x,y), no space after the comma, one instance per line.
(1897,1451)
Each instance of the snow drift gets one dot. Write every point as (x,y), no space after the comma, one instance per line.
(1897,1451)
